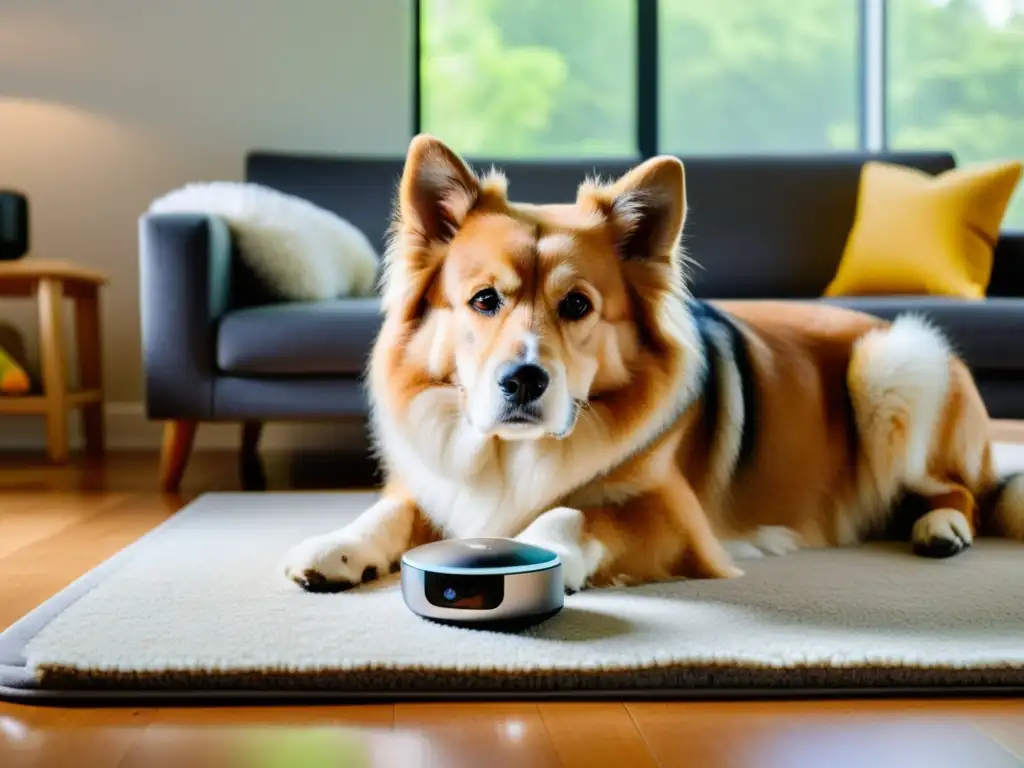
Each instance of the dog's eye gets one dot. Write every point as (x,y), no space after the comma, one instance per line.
(575,306)
(486,302)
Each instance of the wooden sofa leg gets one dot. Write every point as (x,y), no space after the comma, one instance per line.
(179,437)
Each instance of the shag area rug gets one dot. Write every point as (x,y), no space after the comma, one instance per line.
(199,608)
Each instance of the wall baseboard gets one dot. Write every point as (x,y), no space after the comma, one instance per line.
(129,429)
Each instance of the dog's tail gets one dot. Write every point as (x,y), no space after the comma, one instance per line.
(1003,509)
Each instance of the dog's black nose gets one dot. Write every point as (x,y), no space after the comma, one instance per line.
(522,383)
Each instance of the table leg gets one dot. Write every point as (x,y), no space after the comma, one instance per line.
(88,335)
(55,386)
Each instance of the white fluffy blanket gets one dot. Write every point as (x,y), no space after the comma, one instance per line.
(301,251)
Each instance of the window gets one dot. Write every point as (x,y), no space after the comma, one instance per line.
(956,80)
(764,76)
(529,78)
(629,78)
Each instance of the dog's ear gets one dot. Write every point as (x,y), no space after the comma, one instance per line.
(646,209)
(437,190)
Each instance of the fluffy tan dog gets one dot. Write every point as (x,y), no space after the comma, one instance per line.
(543,373)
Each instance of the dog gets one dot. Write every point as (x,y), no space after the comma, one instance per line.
(543,372)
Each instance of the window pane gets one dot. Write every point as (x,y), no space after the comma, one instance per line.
(956,80)
(754,76)
(530,78)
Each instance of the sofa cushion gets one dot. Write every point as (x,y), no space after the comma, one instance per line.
(299,338)
(986,334)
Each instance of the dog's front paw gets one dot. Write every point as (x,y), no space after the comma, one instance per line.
(560,531)
(766,540)
(334,562)
(941,533)
(777,540)
(574,569)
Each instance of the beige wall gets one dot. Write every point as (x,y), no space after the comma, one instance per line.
(105,104)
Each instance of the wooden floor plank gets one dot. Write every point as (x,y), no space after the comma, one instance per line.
(779,734)
(595,735)
(474,734)
(271,747)
(24,522)
(370,715)
(45,736)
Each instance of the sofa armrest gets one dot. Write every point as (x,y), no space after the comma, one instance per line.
(1008,268)
(185,277)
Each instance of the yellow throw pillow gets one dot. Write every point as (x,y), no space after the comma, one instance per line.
(914,233)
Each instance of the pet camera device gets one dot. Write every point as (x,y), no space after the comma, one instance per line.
(484,583)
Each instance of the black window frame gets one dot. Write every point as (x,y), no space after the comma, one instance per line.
(872,22)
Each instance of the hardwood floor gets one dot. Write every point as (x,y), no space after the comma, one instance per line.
(57,523)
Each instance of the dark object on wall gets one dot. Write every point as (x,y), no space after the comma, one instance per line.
(13,225)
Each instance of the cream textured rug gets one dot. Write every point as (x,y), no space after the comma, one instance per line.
(200,605)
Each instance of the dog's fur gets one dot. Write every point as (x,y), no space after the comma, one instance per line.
(674,437)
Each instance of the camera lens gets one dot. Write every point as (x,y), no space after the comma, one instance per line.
(447,590)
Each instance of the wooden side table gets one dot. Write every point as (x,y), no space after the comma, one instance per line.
(50,281)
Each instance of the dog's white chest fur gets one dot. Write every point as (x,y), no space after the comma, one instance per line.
(467,483)
(508,489)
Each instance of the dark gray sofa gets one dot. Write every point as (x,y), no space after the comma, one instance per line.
(216,347)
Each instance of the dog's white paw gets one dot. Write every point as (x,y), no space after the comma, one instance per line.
(766,540)
(335,562)
(776,540)
(574,569)
(941,533)
(560,530)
